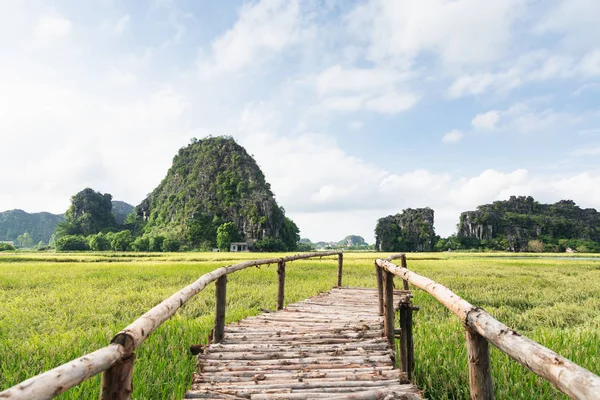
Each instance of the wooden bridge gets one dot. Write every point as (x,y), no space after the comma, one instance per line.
(329,346)
(338,345)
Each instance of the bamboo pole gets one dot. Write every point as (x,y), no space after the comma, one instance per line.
(340,267)
(480,374)
(568,377)
(58,380)
(281,289)
(388,306)
(220,302)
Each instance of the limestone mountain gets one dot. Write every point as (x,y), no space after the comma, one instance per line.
(412,230)
(42,225)
(512,223)
(352,241)
(212,182)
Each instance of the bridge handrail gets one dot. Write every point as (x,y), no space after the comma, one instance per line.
(116,359)
(568,377)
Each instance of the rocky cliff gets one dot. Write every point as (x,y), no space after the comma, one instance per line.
(411,230)
(520,219)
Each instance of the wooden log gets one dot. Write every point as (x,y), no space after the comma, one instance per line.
(403,265)
(388,306)
(58,380)
(480,374)
(568,377)
(406,344)
(340,267)
(281,288)
(117,381)
(221,301)
(379,274)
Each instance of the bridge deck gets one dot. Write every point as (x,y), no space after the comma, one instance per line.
(329,346)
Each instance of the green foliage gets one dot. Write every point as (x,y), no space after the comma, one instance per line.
(99,242)
(212,182)
(89,213)
(71,243)
(120,241)
(269,244)
(171,245)
(226,233)
(6,247)
(25,241)
(290,235)
(141,243)
(156,243)
(39,225)
(305,247)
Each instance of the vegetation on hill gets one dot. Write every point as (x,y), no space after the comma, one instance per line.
(411,230)
(353,241)
(523,224)
(89,213)
(40,226)
(212,183)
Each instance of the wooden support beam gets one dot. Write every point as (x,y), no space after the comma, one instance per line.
(480,376)
(406,337)
(388,306)
(403,265)
(221,300)
(340,267)
(281,290)
(379,274)
(117,381)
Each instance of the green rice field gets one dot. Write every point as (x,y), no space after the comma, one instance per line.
(57,307)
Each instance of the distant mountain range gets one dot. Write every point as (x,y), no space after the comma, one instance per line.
(348,241)
(41,226)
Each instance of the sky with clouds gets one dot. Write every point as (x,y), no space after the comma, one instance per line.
(353,109)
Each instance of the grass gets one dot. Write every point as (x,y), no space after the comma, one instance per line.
(59,307)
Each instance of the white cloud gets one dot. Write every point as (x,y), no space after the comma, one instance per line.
(481,83)
(392,102)
(336,80)
(586,151)
(486,120)
(575,20)
(453,136)
(51,28)
(355,125)
(263,29)
(460,32)
(121,25)
(590,64)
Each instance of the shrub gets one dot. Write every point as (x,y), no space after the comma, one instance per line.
(121,241)
(170,245)
(156,243)
(535,246)
(6,247)
(141,244)
(99,242)
(71,243)
(269,244)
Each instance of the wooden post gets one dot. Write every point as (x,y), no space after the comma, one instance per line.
(403,265)
(340,266)
(379,274)
(388,306)
(281,291)
(480,376)
(221,299)
(117,381)
(406,336)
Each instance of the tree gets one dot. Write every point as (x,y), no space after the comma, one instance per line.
(25,241)
(121,241)
(141,244)
(89,213)
(156,243)
(226,233)
(99,242)
(290,234)
(71,243)
(6,247)
(171,245)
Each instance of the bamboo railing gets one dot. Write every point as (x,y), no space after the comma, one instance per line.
(481,328)
(116,360)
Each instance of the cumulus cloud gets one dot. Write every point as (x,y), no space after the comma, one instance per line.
(453,136)
(486,120)
(263,28)
(121,25)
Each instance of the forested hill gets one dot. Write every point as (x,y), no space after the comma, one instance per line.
(214,187)
(40,226)
(513,223)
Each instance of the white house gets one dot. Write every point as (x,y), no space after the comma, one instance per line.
(238,246)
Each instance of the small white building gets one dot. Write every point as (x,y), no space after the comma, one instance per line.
(238,246)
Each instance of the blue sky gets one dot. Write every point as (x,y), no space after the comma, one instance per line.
(353,109)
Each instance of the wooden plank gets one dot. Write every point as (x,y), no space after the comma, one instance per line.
(480,374)
(306,353)
(220,302)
